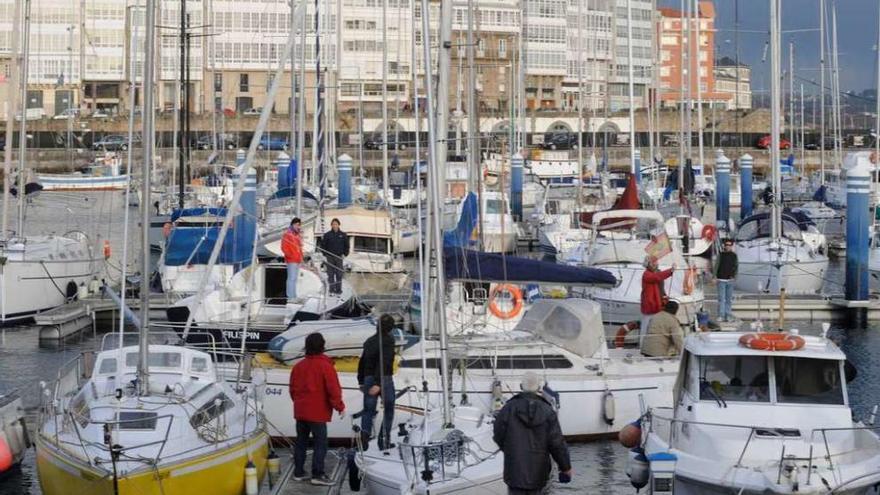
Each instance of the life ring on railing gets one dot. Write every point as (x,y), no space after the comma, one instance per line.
(709,232)
(772,341)
(623,331)
(690,279)
(515,294)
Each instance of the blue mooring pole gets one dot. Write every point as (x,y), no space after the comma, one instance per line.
(722,190)
(343,166)
(858,188)
(516,186)
(745,185)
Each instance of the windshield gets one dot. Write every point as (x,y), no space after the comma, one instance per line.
(757,228)
(734,378)
(494,207)
(808,381)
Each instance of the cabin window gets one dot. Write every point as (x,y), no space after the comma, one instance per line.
(211,409)
(371,245)
(199,365)
(515,362)
(108,365)
(494,207)
(137,420)
(157,359)
(79,409)
(808,381)
(734,378)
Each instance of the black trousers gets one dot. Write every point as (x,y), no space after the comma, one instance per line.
(333,265)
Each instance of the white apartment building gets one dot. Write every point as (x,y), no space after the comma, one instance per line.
(589,53)
(735,80)
(545,36)
(643,12)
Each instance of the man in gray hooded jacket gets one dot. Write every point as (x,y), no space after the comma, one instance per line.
(528,432)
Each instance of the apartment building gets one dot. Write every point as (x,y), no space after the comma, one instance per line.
(590,39)
(642,53)
(677,38)
(735,80)
(545,37)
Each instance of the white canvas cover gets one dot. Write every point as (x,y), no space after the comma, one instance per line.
(573,324)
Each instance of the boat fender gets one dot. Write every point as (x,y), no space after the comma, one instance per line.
(6,458)
(251,485)
(354,475)
(690,277)
(709,232)
(82,291)
(638,469)
(71,291)
(630,436)
(608,407)
(623,331)
(273,464)
(107,251)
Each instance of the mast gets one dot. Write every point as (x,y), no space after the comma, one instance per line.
(143,371)
(22,132)
(475,178)
(291,110)
(319,114)
(685,75)
(697,45)
(822,92)
(521,85)
(14,61)
(835,88)
(580,108)
(301,141)
(877,109)
(791,108)
(774,111)
(182,142)
(632,89)
(386,190)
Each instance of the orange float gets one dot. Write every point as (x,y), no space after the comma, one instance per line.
(772,341)
(107,251)
(709,232)
(514,292)
(6,458)
(623,331)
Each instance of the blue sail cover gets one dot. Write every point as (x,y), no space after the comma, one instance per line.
(464,235)
(193,244)
(464,264)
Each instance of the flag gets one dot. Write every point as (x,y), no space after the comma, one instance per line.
(659,246)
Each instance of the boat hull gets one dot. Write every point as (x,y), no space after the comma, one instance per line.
(798,277)
(62,182)
(30,287)
(221,472)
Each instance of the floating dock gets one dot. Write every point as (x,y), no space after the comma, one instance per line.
(95,311)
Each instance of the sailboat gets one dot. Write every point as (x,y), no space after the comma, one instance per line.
(148,418)
(38,272)
(772,252)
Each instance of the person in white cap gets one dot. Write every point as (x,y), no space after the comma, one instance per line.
(527,431)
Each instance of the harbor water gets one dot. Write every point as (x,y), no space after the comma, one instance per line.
(25,362)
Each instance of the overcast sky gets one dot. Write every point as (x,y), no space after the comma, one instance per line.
(857,24)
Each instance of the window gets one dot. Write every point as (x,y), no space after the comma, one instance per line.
(502,49)
(108,365)
(157,359)
(808,381)
(734,378)
(514,362)
(371,244)
(214,407)
(137,420)
(494,207)
(218,82)
(243,85)
(199,365)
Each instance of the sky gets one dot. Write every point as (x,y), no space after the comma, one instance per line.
(857,23)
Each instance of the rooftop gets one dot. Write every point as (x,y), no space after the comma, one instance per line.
(727,344)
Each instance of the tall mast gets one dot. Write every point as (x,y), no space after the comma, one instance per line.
(143,372)
(182,111)
(301,141)
(822,91)
(632,88)
(877,97)
(386,190)
(697,46)
(774,111)
(319,112)
(22,132)
(791,108)
(14,61)
(580,103)
(682,96)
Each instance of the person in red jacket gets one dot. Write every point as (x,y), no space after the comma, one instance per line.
(653,294)
(315,390)
(291,246)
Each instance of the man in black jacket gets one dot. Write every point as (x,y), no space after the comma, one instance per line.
(528,432)
(334,245)
(725,273)
(375,370)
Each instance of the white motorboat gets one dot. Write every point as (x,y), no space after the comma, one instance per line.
(499,231)
(619,247)
(370,237)
(103,175)
(766,264)
(759,421)
(558,215)
(42,272)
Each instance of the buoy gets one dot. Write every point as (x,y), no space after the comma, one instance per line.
(82,291)
(251,485)
(638,469)
(273,465)
(107,251)
(608,407)
(6,460)
(630,436)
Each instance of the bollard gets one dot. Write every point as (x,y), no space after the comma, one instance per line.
(745,185)
(858,188)
(240,157)
(343,166)
(282,165)
(722,190)
(516,186)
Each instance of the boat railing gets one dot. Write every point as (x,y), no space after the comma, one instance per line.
(755,431)
(435,462)
(110,447)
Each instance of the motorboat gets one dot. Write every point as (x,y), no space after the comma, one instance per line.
(749,419)
(558,215)
(102,175)
(618,246)
(497,229)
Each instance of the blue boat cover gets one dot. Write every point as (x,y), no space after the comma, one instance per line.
(193,244)
(198,212)
(465,264)
(465,234)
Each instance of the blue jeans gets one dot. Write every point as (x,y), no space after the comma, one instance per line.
(319,433)
(292,277)
(725,299)
(370,404)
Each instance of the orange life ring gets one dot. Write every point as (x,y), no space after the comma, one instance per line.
(772,341)
(709,232)
(690,277)
(107,251)
(623,331)
(6,457)
(514,292)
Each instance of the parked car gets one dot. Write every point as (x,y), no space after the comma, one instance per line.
(828,145)
(560,141)
(253,111)
(224,141)
(115,142)
(764,143)
(100,114)
(274,143)
(67,113)
(375,142)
